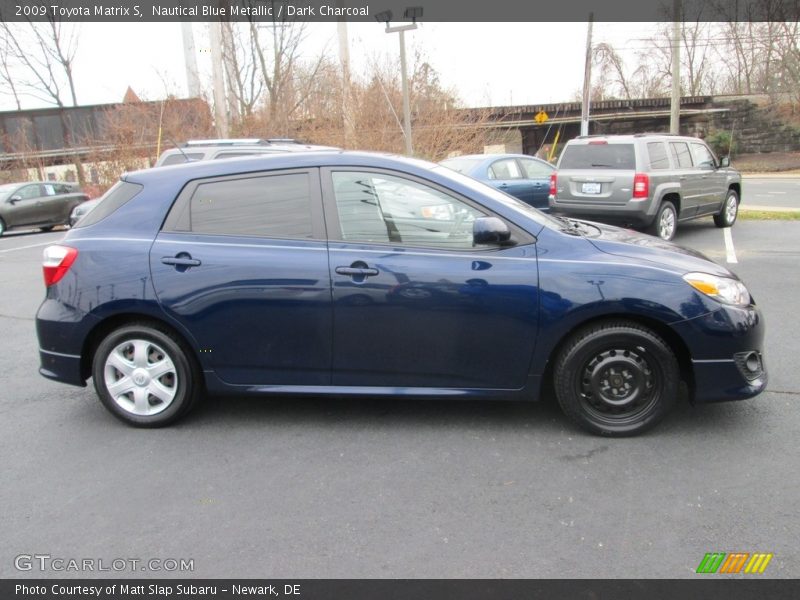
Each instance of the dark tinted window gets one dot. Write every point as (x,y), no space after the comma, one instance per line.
(275,206)
(680,154)
(598,155)
(657,151)
(111,201)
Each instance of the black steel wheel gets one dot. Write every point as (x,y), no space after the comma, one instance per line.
(616,378)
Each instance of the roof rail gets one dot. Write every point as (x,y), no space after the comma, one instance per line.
(239,142)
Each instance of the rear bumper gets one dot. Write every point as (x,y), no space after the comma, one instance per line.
(65,368)
(634,212)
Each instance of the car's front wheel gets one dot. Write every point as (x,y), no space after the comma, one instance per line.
(730,210)
(616,378)
(2,227)
(666,222)
(144,376)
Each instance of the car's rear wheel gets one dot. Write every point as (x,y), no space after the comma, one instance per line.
(666,222)
(144,376)
(2,227)
(616,378)
(730,210)
(48,228)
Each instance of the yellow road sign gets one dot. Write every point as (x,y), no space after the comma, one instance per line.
(541,117)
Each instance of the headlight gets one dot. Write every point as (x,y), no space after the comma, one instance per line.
(722,289)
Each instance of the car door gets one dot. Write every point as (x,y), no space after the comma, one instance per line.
(241,264)
(415,303)
(712,188)
(24,206)
(538,175)
(689,178)
(505,174)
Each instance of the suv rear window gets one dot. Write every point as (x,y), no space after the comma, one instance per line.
(598,156)
(114,198)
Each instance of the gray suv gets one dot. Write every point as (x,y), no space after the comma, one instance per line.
(651,181)
(195,150)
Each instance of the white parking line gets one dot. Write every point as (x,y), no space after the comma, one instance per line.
(25,247)
(730,251)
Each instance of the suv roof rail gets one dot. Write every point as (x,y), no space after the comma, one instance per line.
(239,142)
(646,133)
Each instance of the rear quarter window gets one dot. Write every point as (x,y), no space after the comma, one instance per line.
(657,153)
(113,199)
(598,156)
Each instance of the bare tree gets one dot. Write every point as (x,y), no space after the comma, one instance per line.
(40,58)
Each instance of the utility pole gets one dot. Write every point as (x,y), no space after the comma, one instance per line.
(220,111)
(675,103)
(190,60)
(587,79)
(344,58)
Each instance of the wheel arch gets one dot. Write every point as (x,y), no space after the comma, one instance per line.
(672,339)
(106,326)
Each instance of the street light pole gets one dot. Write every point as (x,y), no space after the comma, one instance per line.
(411,13)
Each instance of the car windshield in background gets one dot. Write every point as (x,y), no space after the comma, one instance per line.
(598,155)
(462,165)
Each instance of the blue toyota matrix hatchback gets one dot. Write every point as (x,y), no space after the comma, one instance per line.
(361,274)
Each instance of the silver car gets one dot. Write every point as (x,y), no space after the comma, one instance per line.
(649,181)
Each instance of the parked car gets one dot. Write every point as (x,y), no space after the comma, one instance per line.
(651,181)
(524,177)
(82,209)
(369,275)
(42,204)
(195,150)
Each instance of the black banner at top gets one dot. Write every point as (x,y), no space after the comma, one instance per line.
(371,10)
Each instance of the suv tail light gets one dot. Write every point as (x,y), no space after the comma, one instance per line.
(553,182)
(641,185)
(56,261)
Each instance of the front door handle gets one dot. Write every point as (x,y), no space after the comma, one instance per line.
(357,271)
(181,260)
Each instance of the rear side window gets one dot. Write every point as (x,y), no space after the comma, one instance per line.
(680,154)
(275,206)
(113,199)
(598,156)
(504,169)
(657,152)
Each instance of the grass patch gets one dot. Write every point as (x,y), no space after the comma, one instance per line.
(770,215)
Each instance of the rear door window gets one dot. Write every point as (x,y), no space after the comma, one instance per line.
(598,155)
(505,169)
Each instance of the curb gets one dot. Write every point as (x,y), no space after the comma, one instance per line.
(768,209)
(771,175)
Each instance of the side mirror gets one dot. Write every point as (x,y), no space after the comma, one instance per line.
(490,230)
(725,161)
(15,199)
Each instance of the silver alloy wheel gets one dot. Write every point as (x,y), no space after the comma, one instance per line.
(141,377)
(666,224)
(731,208)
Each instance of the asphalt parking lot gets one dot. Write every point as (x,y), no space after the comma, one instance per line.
(374,489)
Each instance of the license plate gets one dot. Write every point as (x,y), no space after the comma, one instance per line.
(591,188)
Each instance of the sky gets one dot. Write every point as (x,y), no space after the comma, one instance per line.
(485,63)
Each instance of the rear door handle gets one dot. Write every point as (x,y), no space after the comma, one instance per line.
(364,272)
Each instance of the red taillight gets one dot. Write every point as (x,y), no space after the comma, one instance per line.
(641,185)
(553,182)
(56,262)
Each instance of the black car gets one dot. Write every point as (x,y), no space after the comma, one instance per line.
(42,204)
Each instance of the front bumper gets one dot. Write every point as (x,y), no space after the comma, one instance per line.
(719,344)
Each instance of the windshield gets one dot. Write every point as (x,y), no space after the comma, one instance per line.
(460,164)
(504,198)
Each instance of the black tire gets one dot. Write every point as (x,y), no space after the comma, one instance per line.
(2,227)
(140,406)
(729,211)
(616,378)
(48,228)
(666,222)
